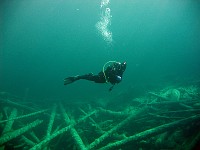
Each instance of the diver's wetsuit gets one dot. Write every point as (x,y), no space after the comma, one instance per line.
(113,74)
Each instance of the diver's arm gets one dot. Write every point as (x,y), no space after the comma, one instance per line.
(110,89)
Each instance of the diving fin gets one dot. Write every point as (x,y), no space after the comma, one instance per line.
(69,80)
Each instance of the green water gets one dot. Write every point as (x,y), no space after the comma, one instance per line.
(44,41)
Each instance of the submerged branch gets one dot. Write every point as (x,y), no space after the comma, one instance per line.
(24,116)
(114,129)
(92,120)
(11,135)
(79,143)
(152,132)
(51,121)
(9,124)
(34,137)
(113,113)
(28,141)
(17,104)
(61,131)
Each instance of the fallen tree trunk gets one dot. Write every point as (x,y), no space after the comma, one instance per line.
(152,132)
(24,116)
(103,137)
(76,137)
(11,135)
(9,102)
(61,131)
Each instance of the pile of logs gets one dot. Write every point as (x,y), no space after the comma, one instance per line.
(164,119)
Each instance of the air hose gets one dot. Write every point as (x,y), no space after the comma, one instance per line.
(104,68)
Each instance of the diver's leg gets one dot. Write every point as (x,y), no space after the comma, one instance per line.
(88,76)
(91,77)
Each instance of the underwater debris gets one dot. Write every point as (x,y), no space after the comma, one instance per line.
(153,121)
(17,105)
(114,129)
(59,132)
(151,132)
(51,121)
(170,95)
(24,116)
(9,136)
(78,141)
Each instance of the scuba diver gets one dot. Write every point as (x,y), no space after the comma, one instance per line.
(113,74)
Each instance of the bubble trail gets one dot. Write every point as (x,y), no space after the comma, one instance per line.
(105,21)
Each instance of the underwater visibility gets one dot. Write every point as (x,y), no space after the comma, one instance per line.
(100,74)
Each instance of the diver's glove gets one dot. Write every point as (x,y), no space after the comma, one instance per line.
(110,89)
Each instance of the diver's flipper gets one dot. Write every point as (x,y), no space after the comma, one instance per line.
(69,80)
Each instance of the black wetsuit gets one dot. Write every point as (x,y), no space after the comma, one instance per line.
(113,74)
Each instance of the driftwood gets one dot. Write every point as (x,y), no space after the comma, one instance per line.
(114,113)
(9,102)
(24,116)
(181,111)
(9,136)
(28,141)
(9,124)
(51,121)
(114,129)
(59,132)
(159,96)
(109,128)
(169,101)
(79,143)
(92,120)
(34,137)
(152,132)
